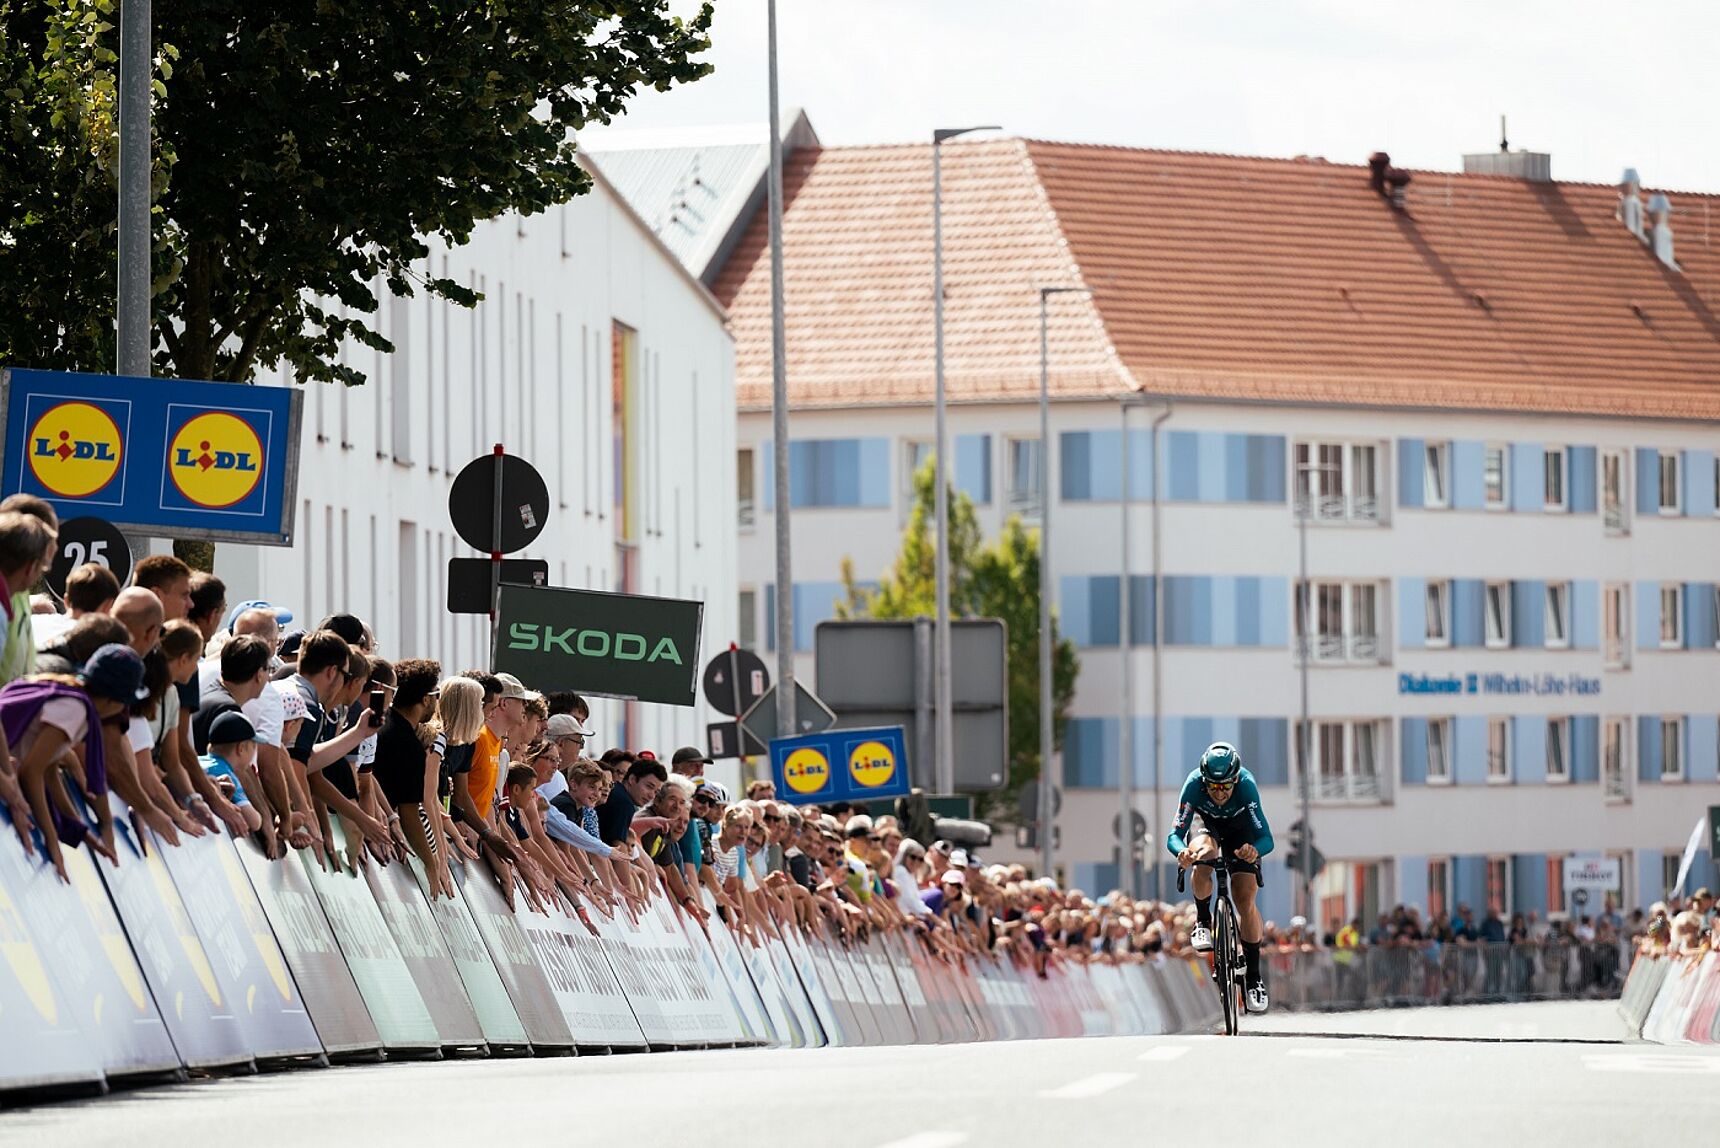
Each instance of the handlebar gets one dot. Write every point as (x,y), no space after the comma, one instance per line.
(1217,863)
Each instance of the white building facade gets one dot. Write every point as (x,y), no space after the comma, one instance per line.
(593,355)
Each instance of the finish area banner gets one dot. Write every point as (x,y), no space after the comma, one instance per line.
(611,645)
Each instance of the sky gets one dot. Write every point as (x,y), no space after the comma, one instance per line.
(1600,85)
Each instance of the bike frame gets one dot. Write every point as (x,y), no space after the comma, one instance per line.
(1227,963)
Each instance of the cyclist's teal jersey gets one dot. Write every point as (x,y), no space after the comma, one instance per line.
(1239,820)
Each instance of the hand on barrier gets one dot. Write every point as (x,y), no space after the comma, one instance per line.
(12,796)
(225,813)
(187,820)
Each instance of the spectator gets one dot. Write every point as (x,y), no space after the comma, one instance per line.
(143,616)
(402,769)
(504,710)
(169,580)
(208,603)
(568,702)
(638,788)
(89,634)
(763,789)
(26,552)
(323,676)
(231,759)
(568,733)
(90,589)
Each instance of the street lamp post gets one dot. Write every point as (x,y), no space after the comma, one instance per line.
(779,419)
(1047,715)
(132,296)
(945,772)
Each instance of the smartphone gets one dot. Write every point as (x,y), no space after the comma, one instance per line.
(378,699)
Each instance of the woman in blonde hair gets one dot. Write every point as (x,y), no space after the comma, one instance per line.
(450,734)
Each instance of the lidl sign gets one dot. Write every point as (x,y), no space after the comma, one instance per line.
(840,765)
(193,459)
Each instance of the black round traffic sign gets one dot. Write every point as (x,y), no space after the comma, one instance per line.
(1137,823)
(735,672)
(525,503)
(88,540)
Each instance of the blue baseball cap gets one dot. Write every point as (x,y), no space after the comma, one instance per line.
(282,614)
(115,672)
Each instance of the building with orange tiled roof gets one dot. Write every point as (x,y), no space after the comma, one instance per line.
(1487,399)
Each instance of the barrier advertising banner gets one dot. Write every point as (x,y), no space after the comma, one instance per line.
(43,1044)
(426,954)
(511,953)
(250,967)
(200,1014)
(190,459)
(585,987)
(692,1007)
(390,994)
(307,941)
(503,1030)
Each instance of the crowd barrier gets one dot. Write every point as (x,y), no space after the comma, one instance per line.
(210,956)
(1441,974)
(1673,1000)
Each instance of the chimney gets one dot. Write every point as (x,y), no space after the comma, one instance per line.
(1387,181)
(1530,166)
(1630,203)
(1660,210)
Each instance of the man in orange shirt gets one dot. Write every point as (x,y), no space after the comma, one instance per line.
(503,714)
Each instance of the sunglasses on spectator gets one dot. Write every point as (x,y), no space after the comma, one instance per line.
(773,817)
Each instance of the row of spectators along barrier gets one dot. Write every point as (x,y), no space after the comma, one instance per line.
(210,956)
(1441,974)
(1674,999)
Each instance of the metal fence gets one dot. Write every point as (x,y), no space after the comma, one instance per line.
(1402,975)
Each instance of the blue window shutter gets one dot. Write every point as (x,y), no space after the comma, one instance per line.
(1178,611)
(802,485)
(1648,615)
(1469,883)
(1699,615)
(1141,464)
(1647,480)
(875,472)
(1182,453)
(839,472)
(1210,463)
(1698,482)
(1235,448)
(1528,479)
(1411,485)
(1265,746)
(1275,613)
(1529,882)
(1468,486)
(1413,738)
(1074,464)
(1141,609)
(973,467)
(1266,458)
(1469,750)
(1248,612)
(1585,615)
(1702,734)
(1223,610)
(1528,614)
(1468,620)
(1105,611)
(1075,609)
(1581,493)
(1529,748)
(1585,748)
(1106,472)
(1648,748)
(1412,613)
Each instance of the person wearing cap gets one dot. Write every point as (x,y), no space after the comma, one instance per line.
(42,720)
(569,733)
(504,716)
(858,835)
(231,758)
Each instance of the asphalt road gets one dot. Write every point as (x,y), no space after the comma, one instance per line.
(1512,1074)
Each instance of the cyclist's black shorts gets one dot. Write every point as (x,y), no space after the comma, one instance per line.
(1231,835)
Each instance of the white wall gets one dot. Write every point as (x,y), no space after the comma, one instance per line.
(529,367)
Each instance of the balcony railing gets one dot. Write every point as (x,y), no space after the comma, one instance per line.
(745,513)
(1359,786)
(1617,788)
(1026,503)
(1340,508)
(1612,518)
(1340,649)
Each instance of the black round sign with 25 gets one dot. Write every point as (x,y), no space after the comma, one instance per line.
(88,540)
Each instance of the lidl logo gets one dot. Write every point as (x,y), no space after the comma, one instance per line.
(75,449)
(806,770)
(872,764)
(216,460)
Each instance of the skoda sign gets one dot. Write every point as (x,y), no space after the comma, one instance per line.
(611,645)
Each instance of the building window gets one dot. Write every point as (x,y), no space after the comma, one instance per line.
(1498,749)
(1671,749)
(1555,883)
(1345,622)
(1553,480)
(1025,471)
(1436,475)
(1615,762)
(1669,500)
(1498,598)
(1671,616)
(1499,885)
(1493,477)
(1670,864)
(1438,885)
(1613,501)
(746,509)
(1346,760)
(1615,623)
(1558,616)
(916,453)
(1338,482)
(1438,613)
(747,620)
(1558,749)
(1438,750)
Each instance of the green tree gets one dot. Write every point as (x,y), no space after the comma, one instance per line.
(999,579)
(304,150)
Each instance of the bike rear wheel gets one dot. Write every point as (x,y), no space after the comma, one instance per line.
(1224,963)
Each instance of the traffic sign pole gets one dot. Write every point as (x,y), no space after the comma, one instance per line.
(495,547)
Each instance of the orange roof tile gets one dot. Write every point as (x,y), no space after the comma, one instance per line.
(1225,277)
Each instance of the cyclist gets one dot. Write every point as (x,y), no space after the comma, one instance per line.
(1228,801)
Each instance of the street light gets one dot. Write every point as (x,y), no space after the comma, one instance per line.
(1047,788)
(1126,624)
(785,691)
(946,758)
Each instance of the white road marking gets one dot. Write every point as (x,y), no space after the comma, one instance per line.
(1164,1052)
(928,1140)
(1359,1052)
(1090,1086)
(1668,1062)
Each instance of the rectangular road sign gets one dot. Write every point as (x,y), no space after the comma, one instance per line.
(610,645)
(188,459)
(840,765)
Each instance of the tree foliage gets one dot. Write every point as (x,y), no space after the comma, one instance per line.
(999,579)
(304,150)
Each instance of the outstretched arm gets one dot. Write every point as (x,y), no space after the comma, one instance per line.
(1177,839)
